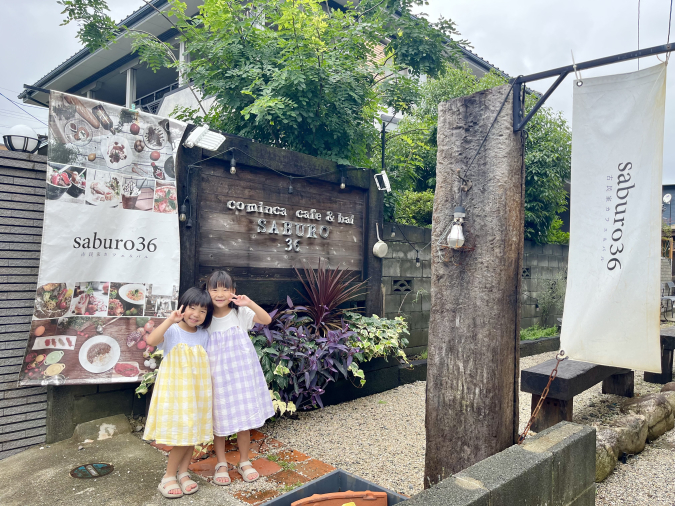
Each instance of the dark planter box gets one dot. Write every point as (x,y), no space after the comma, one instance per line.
(337,481)
(381,375)
(537,346)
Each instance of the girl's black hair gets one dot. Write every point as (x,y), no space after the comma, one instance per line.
(198,297)
(221,279)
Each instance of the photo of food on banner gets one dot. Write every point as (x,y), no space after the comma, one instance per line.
(87,133)
(66,183)
(93,332)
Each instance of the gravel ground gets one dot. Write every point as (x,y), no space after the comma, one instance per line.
(381,438)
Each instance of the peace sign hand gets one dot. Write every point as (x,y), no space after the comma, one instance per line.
(241,300)
(176,316)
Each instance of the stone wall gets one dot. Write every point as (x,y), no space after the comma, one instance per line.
(406,286)
(557,466)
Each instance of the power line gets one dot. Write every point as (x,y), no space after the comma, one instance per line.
(17,105)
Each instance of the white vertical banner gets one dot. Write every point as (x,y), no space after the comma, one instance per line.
(612,305)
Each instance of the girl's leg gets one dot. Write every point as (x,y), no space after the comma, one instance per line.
(175,456)
(183,466)
(244,443)
(219,447)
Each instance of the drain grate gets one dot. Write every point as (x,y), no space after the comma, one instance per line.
(92,470)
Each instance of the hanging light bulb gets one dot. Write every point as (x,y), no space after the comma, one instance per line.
(233,166)
(417,261)
(183,212)
(393,230)
(290,185)
(456,235)
(342,183)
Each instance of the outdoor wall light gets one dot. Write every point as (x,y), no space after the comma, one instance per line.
(393,230)
(22,138)
(233,166)
(456,235)
(183,213)
(385,182)
(290,185)
(342,183)
(417,261)
(202,138)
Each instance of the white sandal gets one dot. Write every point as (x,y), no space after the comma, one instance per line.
(246,473)
(183,486)
(165,491)
(222,474)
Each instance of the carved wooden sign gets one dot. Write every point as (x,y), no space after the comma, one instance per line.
(250,221)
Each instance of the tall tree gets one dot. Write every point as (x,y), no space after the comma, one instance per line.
(295,74)
(411,157)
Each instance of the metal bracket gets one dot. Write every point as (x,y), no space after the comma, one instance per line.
(518,107)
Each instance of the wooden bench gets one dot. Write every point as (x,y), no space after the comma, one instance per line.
(667,347)
(573,378)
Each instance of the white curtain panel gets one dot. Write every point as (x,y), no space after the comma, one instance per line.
(612,303)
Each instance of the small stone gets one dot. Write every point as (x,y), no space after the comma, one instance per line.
(138,428)
(80,447)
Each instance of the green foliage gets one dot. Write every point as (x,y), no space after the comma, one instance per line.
(415,208)
(666,230)
(411,157)
(295,74)
(286,466)
(535,332)
(377,337)
(555,235)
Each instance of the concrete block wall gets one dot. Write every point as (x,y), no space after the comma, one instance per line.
(541,263)
(407,287)
(555,467)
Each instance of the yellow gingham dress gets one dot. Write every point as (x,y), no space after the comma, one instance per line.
(180,410)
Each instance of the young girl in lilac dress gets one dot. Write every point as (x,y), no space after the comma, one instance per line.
(241,400)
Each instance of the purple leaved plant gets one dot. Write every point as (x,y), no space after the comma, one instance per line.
(300,358)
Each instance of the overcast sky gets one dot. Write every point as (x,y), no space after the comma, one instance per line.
(519,37)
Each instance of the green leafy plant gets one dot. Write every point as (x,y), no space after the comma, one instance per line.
(378,337)
(555,235)
(296,74)
(149,378)
(286,466)
(536,332)
(415,208)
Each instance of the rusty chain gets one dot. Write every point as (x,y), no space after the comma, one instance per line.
(559,357)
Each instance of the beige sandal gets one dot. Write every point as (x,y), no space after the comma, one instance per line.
(183,486)
(222,474)
(165,491)
(246,473)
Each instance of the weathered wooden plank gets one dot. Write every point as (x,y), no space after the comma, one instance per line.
(18,262)
(19,256)
(16,311)
(16,303)
(17,295)
(6,248)
(18,271)
(20,238)
(472,371)
(23,287)
(241,243)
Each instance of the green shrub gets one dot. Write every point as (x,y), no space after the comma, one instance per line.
(415,208)
(377,337)
(535,332)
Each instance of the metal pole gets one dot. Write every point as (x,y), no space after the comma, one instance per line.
(384,132)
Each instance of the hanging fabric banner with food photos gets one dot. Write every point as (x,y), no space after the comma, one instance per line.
(611,314)
(110,258)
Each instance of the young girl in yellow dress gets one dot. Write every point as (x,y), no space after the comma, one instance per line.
(180,410)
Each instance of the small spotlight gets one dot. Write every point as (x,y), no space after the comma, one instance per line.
(290,186)
(417,261)
(393,230)
(233,166)
(342,183)
(183,213)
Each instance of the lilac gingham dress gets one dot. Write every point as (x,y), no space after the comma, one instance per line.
(241,400)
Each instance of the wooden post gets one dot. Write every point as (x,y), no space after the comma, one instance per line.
(472,379)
